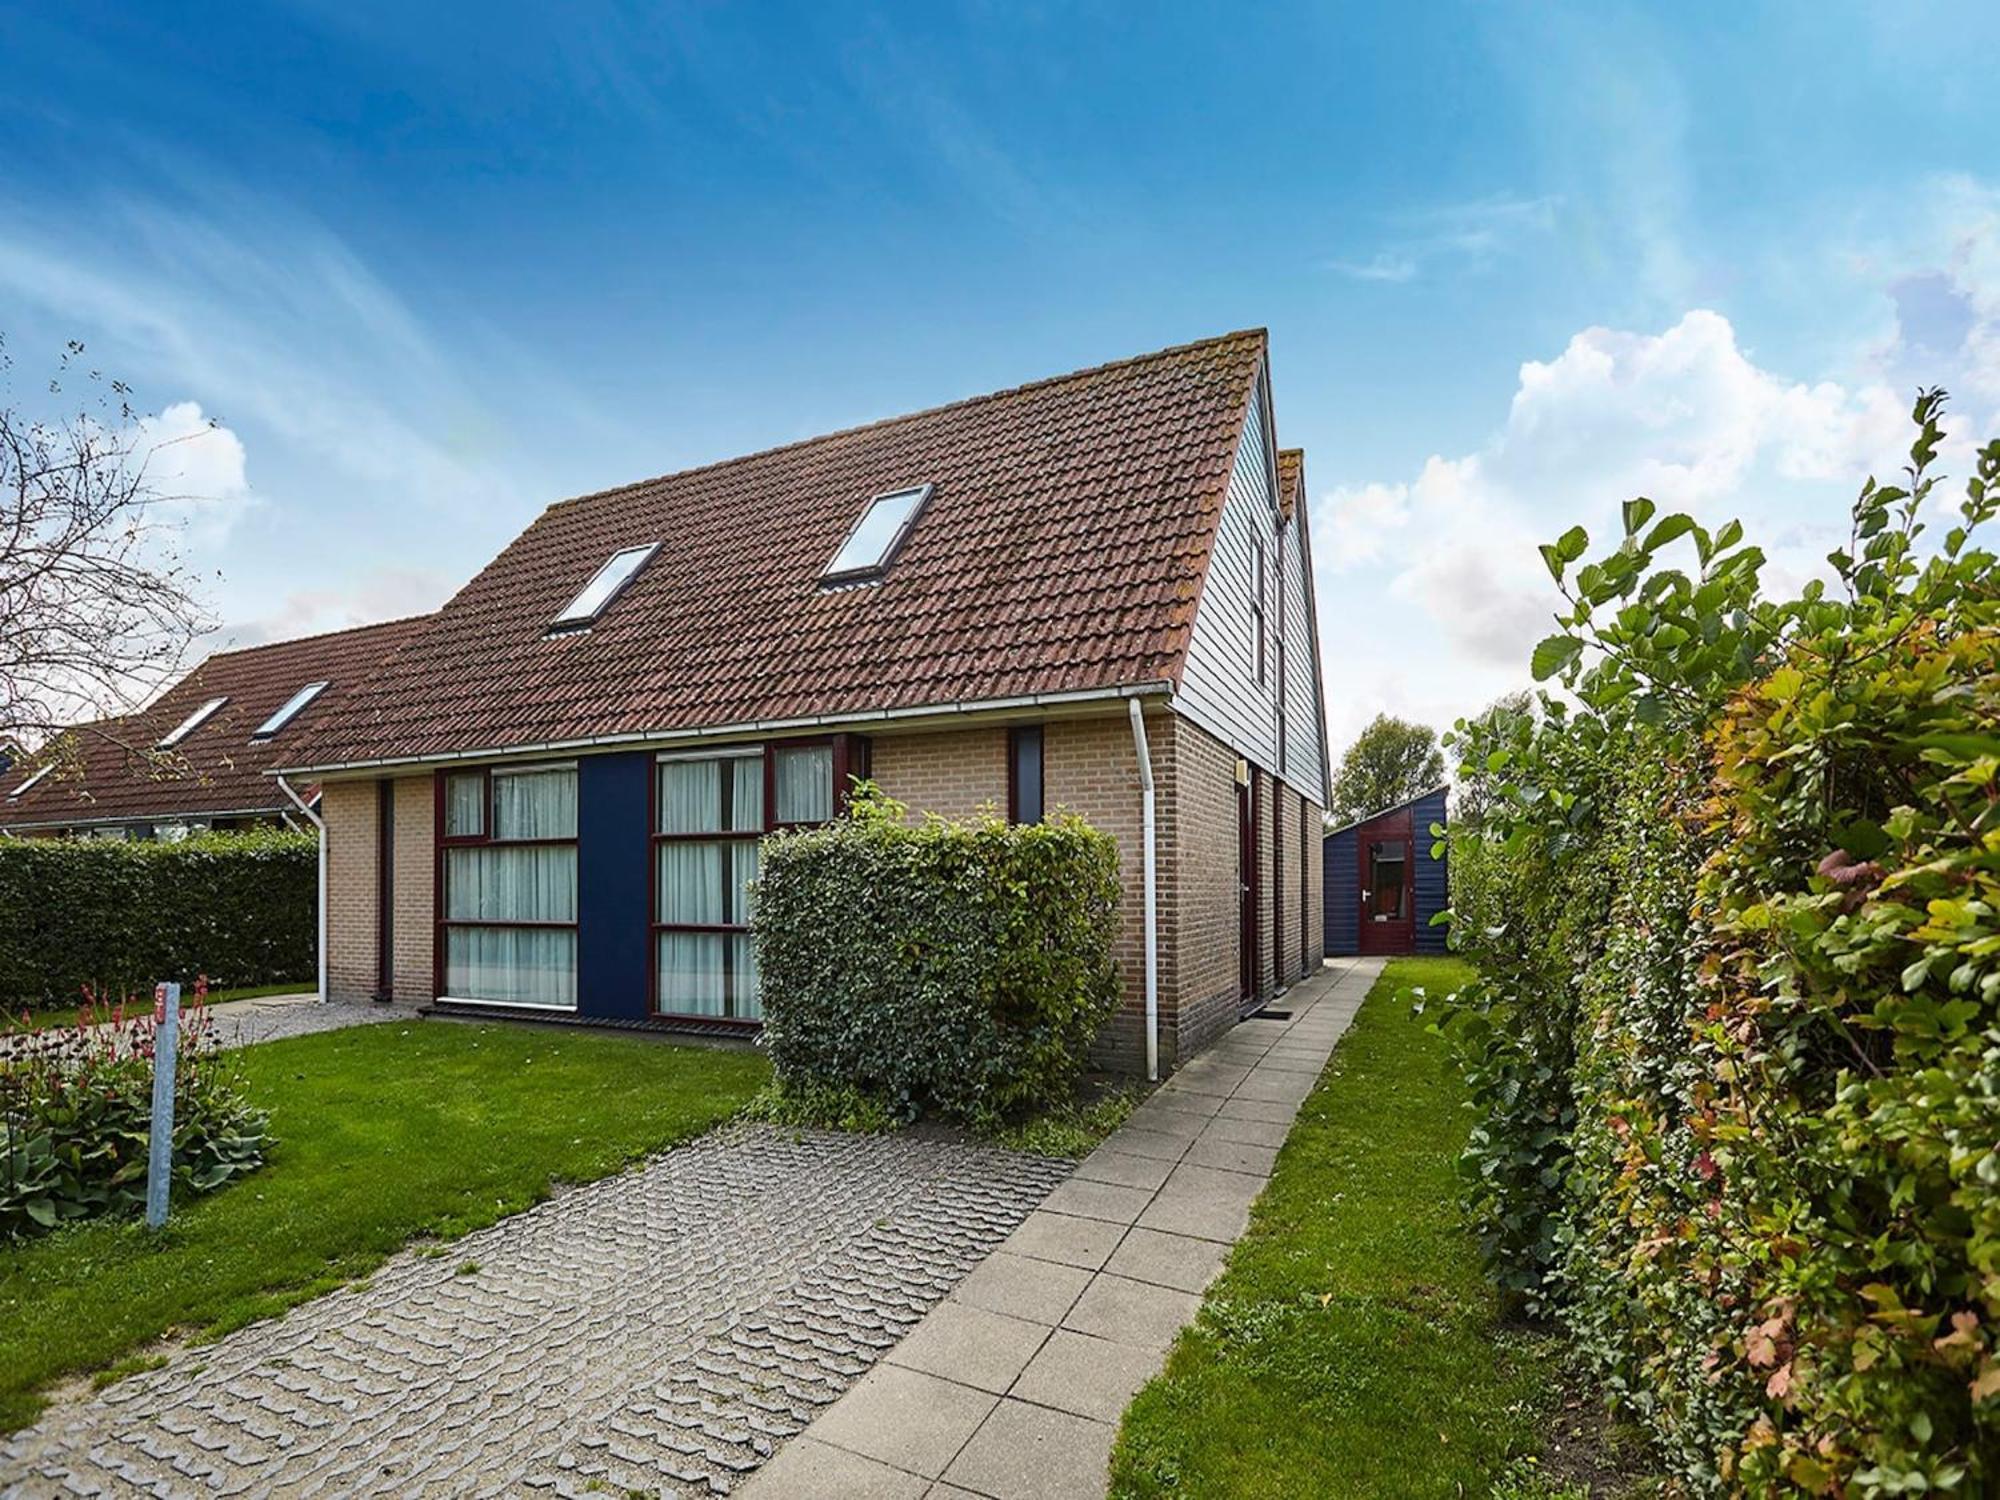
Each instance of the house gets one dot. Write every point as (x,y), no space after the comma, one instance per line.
(1383,884)
(194,759)
(1092,593)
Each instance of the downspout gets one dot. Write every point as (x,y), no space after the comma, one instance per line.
(1152,892)
(320,823)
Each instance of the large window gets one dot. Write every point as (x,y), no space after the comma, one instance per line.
(508,882)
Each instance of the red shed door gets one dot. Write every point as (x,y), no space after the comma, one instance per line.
(1388,905)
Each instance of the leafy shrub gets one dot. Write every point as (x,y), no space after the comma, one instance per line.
(958,970)
(76,1118)
(76,913)
(1736,1038)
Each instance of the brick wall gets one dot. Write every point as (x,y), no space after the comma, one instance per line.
(351,850)
(1315,820)
(1267,894)
(955,774)
(1199,849)
(352,887)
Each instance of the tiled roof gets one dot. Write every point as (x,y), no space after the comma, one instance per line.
(1291,474)
(1061,550)
(110,770)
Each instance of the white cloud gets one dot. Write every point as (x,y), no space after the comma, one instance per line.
(385,593)
(195,467)
(1463,235)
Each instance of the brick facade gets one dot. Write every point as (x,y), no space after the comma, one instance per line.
(1089,768)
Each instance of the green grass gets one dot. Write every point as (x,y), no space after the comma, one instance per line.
(1352,1346)
(39,1016)
(384,1134)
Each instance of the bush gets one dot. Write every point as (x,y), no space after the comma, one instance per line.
(1736,1038)
(97,913)
(76,1120)
(957,970)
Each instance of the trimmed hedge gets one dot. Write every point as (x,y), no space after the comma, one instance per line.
(120,916)
(1735,1042)
(956,970)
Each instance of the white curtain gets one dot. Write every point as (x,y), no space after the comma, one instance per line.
(512,965)
(804,777)
(535,804)
(464,806)
(510,883)
(702,881)
(690,799)
(693,981)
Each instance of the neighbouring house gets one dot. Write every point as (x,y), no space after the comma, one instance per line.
(195,758)
(1092,593)
(1383,883)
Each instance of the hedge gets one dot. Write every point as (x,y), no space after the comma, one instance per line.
(119,916)
(1735,1044)
(958,970)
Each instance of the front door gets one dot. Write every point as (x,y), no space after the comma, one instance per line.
(1246,897)
(1388,905)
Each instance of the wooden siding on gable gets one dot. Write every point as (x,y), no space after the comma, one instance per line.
(1219,688)
(1305,715)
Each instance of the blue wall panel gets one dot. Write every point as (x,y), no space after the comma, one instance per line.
(1342,893)
(613,885)
(1433,891)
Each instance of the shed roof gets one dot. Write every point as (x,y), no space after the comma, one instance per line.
(1062,549)
(111,770)
(1382,812)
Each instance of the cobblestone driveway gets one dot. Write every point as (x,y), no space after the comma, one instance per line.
(658,1332)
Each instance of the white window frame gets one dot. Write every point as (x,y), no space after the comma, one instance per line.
(620,572)
(191,723)
(289,710)
(22,789)
(859,571)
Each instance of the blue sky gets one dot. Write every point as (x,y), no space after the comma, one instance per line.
(434,268)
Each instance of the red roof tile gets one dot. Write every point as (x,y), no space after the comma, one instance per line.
(1291,474)
(110,770)
(1061,550)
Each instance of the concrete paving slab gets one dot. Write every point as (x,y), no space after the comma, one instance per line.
(1271,1083)
(1125,1169)
(1161,1145)
(1039,1291)
(1090,1377)
(1181,1261)
(1255,1132)
(1232,1156)
(1137,1313)
(906,1418)
(971,1345)
(1060,1237)
(807,1469)
(1270,1110)
(1029,1452)
(1090,1199)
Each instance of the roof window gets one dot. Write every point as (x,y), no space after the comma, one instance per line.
(877,537)
(22,789)
(606,586)
(190,724)
(288,710)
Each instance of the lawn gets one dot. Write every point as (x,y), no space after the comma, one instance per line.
(385,1133)
(1351,1346)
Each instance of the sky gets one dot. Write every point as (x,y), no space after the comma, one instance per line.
(405,274)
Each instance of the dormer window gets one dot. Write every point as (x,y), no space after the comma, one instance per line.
(597,594)
(288,710)
(22,789)
(877,537)
(191,723)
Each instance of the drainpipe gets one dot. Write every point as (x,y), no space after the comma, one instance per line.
(1152,893)
(319,823)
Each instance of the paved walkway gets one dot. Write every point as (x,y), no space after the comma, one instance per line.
(659,1332)
(240,1023)
(1014,1385)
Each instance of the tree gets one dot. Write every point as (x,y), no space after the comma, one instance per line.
(97,610)
(1391,761)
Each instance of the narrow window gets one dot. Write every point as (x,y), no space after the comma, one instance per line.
(190,724)
(708,818)
(22,789)
(508,866)
(602,589)
(1024,774)
(1257,609)
(288,710)
(802,777)
(877,537)
(1386,881)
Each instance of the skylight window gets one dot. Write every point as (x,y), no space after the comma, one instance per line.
(606,586)
(191,723)
(288,710)
(877,537)
(22,789)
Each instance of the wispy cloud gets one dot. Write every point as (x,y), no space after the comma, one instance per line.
(1452,236)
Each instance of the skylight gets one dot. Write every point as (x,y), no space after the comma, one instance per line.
(191,723)
(22,789)
(601,590)
(876,538)
(288,710)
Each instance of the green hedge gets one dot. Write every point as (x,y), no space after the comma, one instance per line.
(956,970)
(238,907)
(1735,1043)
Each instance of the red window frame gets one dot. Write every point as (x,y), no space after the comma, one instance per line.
(444,843)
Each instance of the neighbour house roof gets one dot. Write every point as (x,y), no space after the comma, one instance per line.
(113,769)
(1383,812)
(1291,474)
(1060,547)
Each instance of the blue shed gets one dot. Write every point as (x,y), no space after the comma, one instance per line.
(1383,885)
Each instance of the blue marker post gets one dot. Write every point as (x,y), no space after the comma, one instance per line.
(160,1153)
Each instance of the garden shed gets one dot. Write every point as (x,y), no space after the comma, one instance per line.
(1383,885)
